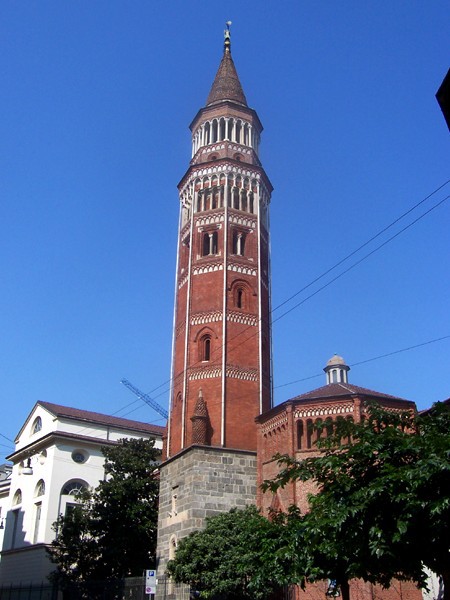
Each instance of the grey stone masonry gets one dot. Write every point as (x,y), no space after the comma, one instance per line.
(198,482)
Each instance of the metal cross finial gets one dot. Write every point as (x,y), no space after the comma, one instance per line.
(227,36)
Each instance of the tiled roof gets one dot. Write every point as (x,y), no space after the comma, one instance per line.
(94,417)
(334,390)
(226,85)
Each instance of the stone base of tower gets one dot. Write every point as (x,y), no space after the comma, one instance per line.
(199,482)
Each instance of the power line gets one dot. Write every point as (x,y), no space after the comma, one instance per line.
(315,376)
(367,360)
(329,270)
(377,235)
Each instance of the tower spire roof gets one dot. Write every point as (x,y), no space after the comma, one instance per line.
(226,85)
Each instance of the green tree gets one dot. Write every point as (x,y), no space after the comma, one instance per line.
(238,555)
(112,532)
(382,510)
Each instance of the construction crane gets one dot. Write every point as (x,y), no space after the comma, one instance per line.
(146,398)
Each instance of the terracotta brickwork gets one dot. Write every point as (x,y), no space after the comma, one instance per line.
(359,590)
(222,335)
(287,429)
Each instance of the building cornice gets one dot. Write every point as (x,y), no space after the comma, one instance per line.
(50,438)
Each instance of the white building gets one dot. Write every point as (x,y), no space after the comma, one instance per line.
(58,452)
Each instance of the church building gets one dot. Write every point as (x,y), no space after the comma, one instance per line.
(222,430)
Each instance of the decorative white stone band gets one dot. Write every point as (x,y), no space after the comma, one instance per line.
(244,374)
(225,168)
(324,411)
(208,268)
(240,149)
(179,329)
(214,148)
(242,269)
(208,219)
(204,373)
(237,317)
(182,281)
(206,317)
(274,423)
(242,220)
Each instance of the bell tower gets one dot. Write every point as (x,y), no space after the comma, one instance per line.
(221,351)
(221,358)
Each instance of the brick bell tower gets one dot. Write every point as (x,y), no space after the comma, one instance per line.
(221,363)
(221,352)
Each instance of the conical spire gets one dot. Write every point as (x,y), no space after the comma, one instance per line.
(226,85)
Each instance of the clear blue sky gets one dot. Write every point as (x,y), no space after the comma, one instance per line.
(95,106)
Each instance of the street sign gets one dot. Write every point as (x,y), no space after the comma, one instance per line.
(150,581)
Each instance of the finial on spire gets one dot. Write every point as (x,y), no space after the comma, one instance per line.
(227,36)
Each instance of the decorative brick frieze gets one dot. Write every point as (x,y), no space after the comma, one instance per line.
(209,219)
(211,316)
(213,148)
(242,269)
(245,319)
(179,329)
(207,268)
(204,373)
(182,281)
(226,168)
(325,410)
(277,421)
(242,373)
(243,220)
(185,230)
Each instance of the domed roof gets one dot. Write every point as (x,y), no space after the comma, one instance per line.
(335,360)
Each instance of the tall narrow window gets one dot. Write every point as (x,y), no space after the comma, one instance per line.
(214,243)
(299,434)
(235,241)
(238,243)
(205,249)
(207,349)
(309,433)
(15,514)
(239,298)
(242,245)
(37,520)
(210,243)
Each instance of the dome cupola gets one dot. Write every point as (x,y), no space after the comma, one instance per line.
(336,370)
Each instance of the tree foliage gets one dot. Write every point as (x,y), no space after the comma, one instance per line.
(382,510)
(239,555)
(111,533)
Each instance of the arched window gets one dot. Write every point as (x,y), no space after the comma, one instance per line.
(206,348)
(236,198)
(37,425)
(299,435)
(318,430)
(210,243)
(74,487)
(238,243)
(17,498)
(240,295)
(39,490)
(309,433)
(329,426)
(239,298)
